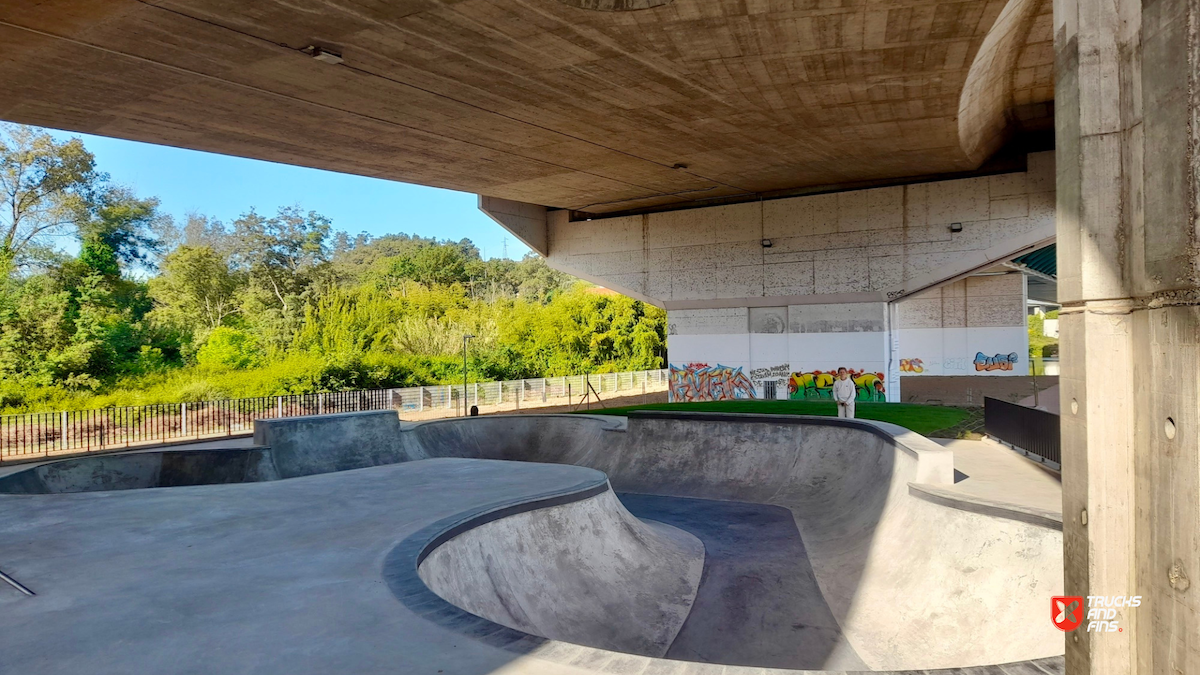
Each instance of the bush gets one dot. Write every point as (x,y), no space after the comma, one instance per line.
(230,348)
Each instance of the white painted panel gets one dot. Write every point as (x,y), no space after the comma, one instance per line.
(1000,341)
(770,360)
(952,351)
(824,350)
(727,350)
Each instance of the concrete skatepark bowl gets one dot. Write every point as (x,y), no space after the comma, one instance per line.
(741,540)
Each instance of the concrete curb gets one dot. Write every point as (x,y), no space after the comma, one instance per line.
(965,502)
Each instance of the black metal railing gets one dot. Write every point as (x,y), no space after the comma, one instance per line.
(1035,431)
(35,435)
(31,436)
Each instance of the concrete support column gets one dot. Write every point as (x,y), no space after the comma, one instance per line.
(1126,108)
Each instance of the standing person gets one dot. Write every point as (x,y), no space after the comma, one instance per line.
(844,392)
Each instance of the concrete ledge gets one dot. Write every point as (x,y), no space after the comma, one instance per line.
(965,502)
(303,446)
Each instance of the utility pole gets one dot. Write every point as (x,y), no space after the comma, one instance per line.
(464,396)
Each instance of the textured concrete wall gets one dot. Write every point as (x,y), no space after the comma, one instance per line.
(944,330)
(1128,144)
(526,222)
(912,584)
(324,443)
(969,391)
(861,245)
(587,572)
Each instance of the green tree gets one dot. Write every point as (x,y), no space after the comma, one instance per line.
(45,185)
(195,289)
(283,259)
(129,227)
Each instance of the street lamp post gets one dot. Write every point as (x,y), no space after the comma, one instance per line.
(464,396)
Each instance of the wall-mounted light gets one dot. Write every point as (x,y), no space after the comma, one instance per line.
(766,243)
(323,55)
(956,227)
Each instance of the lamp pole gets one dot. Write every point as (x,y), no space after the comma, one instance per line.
(465,338)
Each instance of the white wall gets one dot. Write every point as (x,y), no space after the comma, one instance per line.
(852,336)
(943,330)
(952,351)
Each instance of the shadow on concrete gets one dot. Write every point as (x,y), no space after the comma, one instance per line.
(758,603)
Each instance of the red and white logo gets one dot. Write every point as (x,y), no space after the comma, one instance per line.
(1066,611)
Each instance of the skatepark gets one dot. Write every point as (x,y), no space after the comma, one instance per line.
(662,542)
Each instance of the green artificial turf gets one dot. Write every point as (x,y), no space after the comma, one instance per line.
(923,419)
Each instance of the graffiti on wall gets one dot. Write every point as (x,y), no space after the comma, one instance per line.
(997,362)
(912,366)
(818,384)
(701,382)
(779,372)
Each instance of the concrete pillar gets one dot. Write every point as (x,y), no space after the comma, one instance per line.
(1126,108)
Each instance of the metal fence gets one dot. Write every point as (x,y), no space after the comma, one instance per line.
(1032,430)
(36,435)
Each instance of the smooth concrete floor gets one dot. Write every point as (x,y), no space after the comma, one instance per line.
(284,577)
(276,577)
(996,473)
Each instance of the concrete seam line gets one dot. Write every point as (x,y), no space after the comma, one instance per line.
(16,584)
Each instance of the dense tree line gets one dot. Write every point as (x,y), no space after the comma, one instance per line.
(106,301)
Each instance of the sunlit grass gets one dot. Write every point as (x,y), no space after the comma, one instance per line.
(923,419)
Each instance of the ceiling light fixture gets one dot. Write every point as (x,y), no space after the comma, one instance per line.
(323,55)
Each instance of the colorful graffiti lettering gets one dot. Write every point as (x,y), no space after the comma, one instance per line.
(997,362)
(818,384)
(699,382)
(912,366)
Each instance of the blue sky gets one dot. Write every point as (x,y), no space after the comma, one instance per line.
(225,187)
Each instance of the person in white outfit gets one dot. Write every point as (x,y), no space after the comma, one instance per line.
(844,392)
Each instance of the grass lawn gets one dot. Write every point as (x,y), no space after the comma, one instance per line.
(923,419)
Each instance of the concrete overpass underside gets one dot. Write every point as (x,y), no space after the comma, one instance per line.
(785,175)
(541,101)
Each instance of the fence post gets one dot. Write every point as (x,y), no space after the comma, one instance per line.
(420,399)
(320,404)
(183,419)
(63,438)
(543,390)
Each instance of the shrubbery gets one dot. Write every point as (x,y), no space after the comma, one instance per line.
(148,312)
